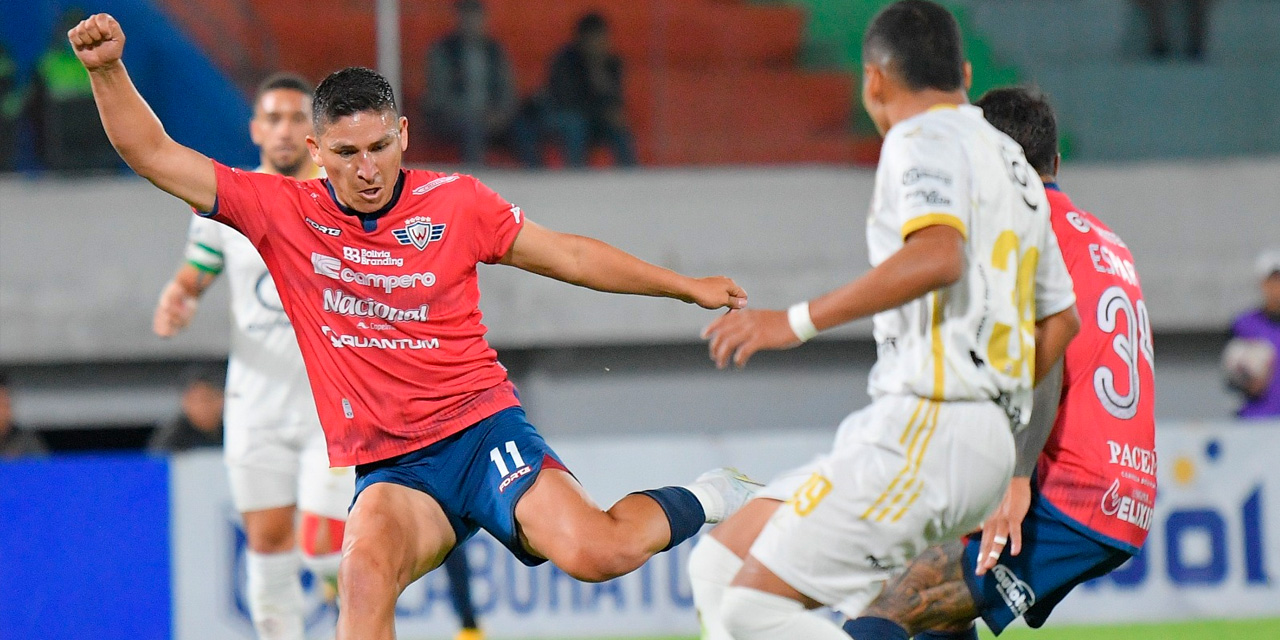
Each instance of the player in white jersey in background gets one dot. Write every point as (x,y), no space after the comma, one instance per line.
(971,302)
(274,448)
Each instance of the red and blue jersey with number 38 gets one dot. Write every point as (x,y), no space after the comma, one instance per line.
(385,305)
(1099,466)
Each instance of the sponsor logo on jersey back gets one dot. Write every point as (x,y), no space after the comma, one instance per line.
(1126,508)
(419,232)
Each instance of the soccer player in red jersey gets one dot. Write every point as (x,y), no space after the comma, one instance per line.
(376,268)
(1084,484)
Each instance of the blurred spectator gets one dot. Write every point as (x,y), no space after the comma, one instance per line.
(15,442)
(471,93)
(1249,359)
(12,104)
(584,96)
(1157,15)
(200,422)
(69,134)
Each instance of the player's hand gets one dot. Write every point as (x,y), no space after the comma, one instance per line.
(98,41)
(739,334)
(716,292)
(175,310)
(1004,527)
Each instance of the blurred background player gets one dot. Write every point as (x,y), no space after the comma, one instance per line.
(957,217)
(198,423)
(1081,499)
(1250,357)
(410,391)
(275,448)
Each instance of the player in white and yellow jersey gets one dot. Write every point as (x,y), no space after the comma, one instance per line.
(274,448)
(971,301)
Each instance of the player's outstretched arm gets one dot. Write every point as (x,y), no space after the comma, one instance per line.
(930,259)
(179,300)
(593,264)
(133,128)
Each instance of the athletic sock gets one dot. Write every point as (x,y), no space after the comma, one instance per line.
(968,634)
(684,512)
(455,564)
(755,615)
(871,628)
(275,595)
(712,566)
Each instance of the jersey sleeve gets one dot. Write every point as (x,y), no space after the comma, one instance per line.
(1055,292)
(205,245)
(928,182)
(498,224)
(243,200)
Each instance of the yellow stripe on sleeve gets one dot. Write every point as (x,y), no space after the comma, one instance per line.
(930,219)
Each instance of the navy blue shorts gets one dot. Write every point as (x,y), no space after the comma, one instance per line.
(477,475)
(1055,558)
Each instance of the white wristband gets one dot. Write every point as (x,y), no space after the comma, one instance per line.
(801,323)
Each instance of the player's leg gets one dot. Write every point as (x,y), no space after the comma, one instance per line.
(459,571)
(324,495)
(931,594)
(560,522)
(719,555)
(262,468)
(394,535)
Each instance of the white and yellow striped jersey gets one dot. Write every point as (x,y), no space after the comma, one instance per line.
(974,339)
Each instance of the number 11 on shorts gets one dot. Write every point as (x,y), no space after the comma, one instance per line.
(496,456)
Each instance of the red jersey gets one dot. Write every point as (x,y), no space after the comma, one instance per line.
(1099,466)
(385,305)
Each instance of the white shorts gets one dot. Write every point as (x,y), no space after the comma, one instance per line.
(285,465)
(904,473)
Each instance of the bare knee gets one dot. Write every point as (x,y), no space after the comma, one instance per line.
(270,530)
(367,572)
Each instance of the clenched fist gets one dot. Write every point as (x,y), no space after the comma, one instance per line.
(98,41)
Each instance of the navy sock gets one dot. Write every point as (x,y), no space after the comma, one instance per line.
(455,564)
(869,628)
(684,512)
(968,634)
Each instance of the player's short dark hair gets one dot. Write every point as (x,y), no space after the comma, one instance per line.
(590,24)
(285,80)
(920,42)
(349,91)
(1026,116)
(4,380)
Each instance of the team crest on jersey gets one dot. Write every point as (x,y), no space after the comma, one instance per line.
(419,232)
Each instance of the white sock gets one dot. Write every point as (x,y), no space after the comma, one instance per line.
(712,566)
(275,595)
(755,615)
(325,569)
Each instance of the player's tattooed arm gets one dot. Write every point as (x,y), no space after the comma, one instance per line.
(929,594)
(133,128)
(593,264)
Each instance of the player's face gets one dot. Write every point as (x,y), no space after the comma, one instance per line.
(362,155)
(1271,294)
(280,126)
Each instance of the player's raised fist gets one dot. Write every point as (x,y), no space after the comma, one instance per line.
(716,292)
(98,41)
